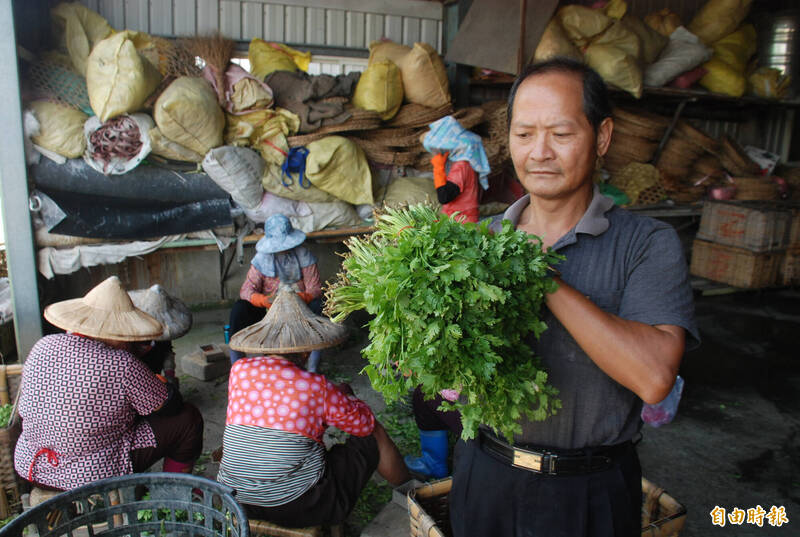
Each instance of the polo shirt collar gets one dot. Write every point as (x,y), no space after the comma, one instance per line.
(593,221)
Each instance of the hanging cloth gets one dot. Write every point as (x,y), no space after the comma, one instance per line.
(287,266)
(446,134)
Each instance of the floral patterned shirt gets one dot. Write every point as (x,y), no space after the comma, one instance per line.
(80,404)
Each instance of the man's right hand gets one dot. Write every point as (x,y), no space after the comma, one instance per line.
(261,301)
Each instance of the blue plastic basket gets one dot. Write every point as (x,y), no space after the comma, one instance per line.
(138,505)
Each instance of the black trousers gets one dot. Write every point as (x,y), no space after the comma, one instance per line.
(492,498)
(348,467)
(430,418)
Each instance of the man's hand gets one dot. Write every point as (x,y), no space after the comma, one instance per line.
(261,301)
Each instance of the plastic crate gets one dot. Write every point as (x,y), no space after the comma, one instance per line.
(137,505)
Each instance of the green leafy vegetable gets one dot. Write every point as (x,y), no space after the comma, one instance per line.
(452,304)
(5,414)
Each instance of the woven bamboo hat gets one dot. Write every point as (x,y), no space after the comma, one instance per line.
(171,312)
(289,326)
(106,312)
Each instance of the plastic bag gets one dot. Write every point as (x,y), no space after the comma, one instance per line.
(268,57)
(652,42)
(664,22)
(770,83)
(683,53)
(616,66)
(116,165)
(582,23)
(187,113)
(664,412)
(238,171)
(78,29)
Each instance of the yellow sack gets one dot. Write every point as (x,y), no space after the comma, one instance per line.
(78,29)
(616,67)
(617,35)
(187,113)
(726,69)
(737,48)
(268,57)
(424,77)
(380,88)
(264,131)
(164,147)
(723,78)
(60,128)
(582,23)
(718,18)
(616,9)
(664,21)
(769,82)
(555,42)
(118,78)
(339,167)
(273,182)
(387,50)
(407,191)
(652,41)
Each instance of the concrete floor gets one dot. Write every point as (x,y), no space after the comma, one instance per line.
(734,443)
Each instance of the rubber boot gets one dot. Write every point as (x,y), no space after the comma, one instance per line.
(313,361)
(171,465)
(235,355)
(433,462)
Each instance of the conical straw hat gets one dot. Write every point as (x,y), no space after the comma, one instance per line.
(106,312)
(289,326)
(171,312)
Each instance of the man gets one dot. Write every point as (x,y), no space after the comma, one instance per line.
(617,329)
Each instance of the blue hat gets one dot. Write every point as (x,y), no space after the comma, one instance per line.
(279,235)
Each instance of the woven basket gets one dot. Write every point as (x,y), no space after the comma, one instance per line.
(709,165)
(634,129)
(755,188)
(633,147)
(697,136)
(735,160)
(10,501)
(641,118)
(428,511)
(469,117)
(681,152)
(735,266)
(384,155)
(417,115)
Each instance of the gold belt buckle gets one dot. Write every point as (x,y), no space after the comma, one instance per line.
(528,460)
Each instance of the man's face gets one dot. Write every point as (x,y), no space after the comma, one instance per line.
(553,146)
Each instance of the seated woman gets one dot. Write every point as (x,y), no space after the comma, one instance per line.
(90,409)
(273,454)
(175,317)
(280,258)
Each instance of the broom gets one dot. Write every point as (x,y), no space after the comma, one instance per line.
(216,50)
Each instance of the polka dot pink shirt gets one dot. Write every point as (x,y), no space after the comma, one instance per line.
(271,392)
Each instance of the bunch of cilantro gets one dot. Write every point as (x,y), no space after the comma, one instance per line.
(452,304)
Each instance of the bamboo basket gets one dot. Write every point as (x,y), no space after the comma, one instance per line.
(755,188)
(10,498)
(428,511)
(735,266)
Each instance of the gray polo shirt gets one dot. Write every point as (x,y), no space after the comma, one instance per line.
(628,265)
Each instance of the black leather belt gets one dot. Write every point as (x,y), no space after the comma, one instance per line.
(552,462)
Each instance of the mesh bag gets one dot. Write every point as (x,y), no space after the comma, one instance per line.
(51,81)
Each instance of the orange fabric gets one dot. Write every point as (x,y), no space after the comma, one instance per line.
(307,297)
(260,301)
(466,179)
(439,174)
